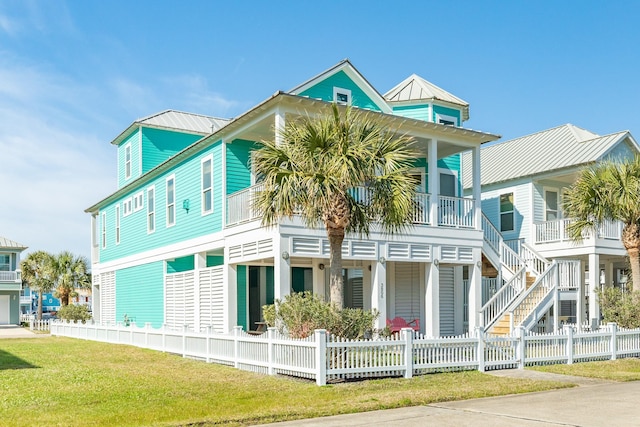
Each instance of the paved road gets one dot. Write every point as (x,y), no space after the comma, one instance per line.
(593,403)
(12,331)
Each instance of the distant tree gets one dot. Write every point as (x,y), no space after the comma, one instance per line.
(342,169)
(70,274)
(38,273)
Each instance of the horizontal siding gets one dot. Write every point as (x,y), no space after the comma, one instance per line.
(238,168)
(324,91)
(140,294)
(188,225)
(179,265)
(159,145)
(522,214)
(437,109)
(418,112)
(134,140)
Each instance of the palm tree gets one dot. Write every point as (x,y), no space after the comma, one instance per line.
(343,169)
(70,273)
(37,273)
(608,191)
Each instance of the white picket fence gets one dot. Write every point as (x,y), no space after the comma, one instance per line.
(324,358)
(34,324)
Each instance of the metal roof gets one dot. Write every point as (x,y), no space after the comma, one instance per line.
(557,148)
(10,244)
(415,88)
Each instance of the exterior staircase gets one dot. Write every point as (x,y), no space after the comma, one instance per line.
(530,283)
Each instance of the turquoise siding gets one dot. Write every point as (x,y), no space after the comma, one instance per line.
(134,140)
(324,90)
(214,260)
(451,163)
(140,294)
(238,167)
(243,302)
(159,145)
(188,225)
(179,265)
(418,112)
(437,109)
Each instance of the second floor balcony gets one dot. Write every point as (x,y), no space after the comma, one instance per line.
(556,231)
(10,276)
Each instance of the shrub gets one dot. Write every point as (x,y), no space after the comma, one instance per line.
(301,313)
(74,312)
(620,307)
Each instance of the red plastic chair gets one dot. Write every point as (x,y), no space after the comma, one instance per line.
(397,323)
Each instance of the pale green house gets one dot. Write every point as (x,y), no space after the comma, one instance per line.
(10,281)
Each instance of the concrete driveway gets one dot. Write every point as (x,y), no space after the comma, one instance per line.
(593,403)
(13,331)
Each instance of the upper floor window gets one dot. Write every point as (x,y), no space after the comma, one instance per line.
(506,212)
(104,230)
(5,262)
(138,201)
(551,202)
(127,161)
(207,185)
(126,207)
(117,224)
(151,209)
(171,201)
(443,119)
(342,96)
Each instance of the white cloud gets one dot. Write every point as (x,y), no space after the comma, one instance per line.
(8,25)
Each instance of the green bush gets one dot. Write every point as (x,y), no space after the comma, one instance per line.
(301,313)
(620,307)
(74,312)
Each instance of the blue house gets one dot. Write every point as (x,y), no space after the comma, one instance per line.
(10,281)
(177,242)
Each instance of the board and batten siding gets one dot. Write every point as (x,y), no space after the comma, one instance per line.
(189,224)
(134,140)
(159,145)
(324,91)
(522,208)
(139,294)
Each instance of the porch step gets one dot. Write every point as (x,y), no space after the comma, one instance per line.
(502,326)
(530,280)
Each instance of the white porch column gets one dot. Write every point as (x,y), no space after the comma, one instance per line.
(434,181)
(379,290)
(319,276)
(432,300)
(594,284)
(580,298)
(608,273)
(200,261)
(278,126)
(476,189)
(475,292)
(230,294)
(281,269)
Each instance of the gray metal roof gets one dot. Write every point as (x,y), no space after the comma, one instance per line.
(557,148)
(10,244)
(415,88)
(184,121)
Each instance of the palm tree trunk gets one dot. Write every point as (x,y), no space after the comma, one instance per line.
(631,242)
(336,283)
(40,305)
(634,261)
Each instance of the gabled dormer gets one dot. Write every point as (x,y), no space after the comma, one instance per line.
(344,84)
(150,141)
(417,98)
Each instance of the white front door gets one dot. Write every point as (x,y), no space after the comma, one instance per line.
(4,309)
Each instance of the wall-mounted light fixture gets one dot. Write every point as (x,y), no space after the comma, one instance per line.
(382,260)
(285,255)
(185,205)
(436,262)
(479,264)
(321,266)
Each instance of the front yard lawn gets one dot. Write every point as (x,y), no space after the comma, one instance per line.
(615,370)
(63,381)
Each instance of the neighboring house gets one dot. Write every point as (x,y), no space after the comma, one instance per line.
(10,281)
(178,244)
(523,181)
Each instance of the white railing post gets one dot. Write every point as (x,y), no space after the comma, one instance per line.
(521,349)
(236,346)
(568,330)
(407,337)
(480,348)
(271,335)
(320,337)
(613,327)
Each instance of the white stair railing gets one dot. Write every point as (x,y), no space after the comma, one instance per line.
(501,301)
(536,263)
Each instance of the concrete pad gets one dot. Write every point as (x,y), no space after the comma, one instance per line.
(13,331)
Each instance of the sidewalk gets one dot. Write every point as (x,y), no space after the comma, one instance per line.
(593,403)
(13,331)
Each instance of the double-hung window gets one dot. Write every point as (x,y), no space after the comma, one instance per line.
(151,209)
(207,185)
(117,224)
(506,212)
(5,262)
(171,201)
(127,161)
(104,230)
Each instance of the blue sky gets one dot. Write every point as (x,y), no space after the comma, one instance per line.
(74,74)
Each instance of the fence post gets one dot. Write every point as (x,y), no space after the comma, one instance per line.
(320,338)
(236,346)
(407,337)
(613,327)
(208,344)
(271,335)
(480,348)
(569,331)
(521,349)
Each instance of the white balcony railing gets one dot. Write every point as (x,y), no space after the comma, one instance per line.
(452,211)
(25,300)
(556,231)
(10,276)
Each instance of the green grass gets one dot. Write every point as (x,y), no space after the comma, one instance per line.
(62,381)
(614,370)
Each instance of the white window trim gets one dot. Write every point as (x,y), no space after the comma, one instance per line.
(149,211)
(129,162)
(447,118)
(138,200)
(167,204)
(454,173)
(208,158)
(337,90)
(103,234)
(127,207)
(558,201)
(117,224)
